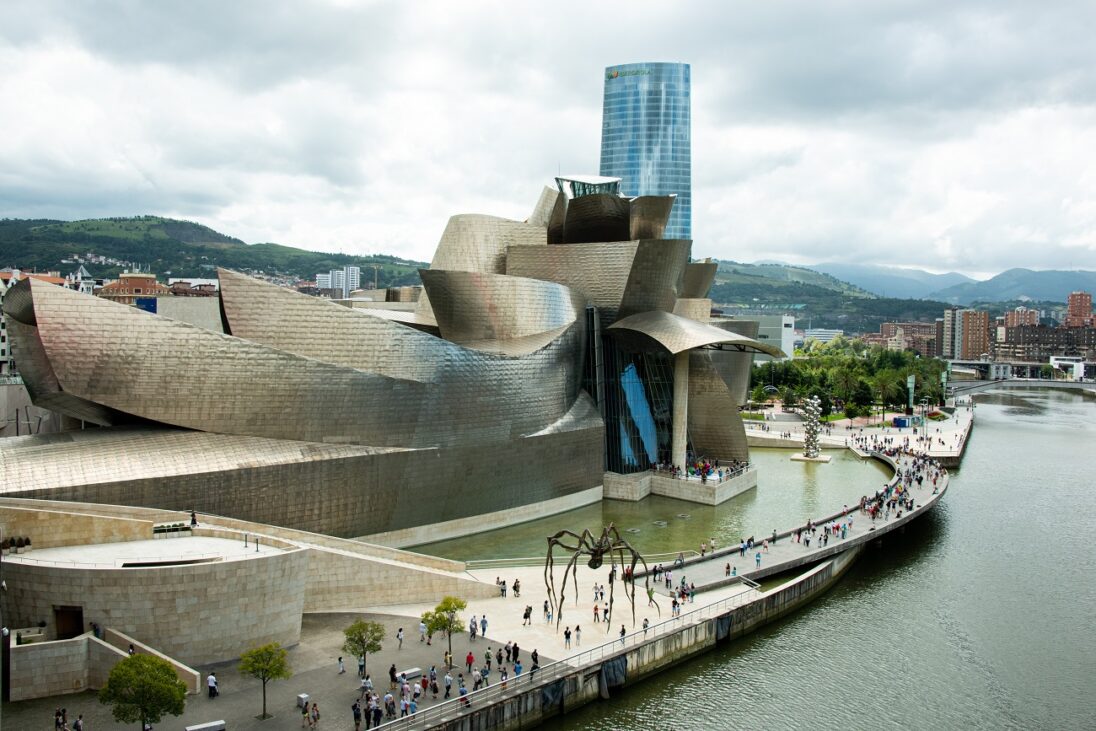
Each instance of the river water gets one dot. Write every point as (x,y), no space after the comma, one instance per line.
(977,616)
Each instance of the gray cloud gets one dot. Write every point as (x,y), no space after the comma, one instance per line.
(920,133)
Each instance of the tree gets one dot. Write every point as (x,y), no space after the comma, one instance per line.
(446,618)
(363,638)
(889,384)
(267,662)
(142,688)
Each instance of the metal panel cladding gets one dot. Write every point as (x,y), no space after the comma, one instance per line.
(646,135)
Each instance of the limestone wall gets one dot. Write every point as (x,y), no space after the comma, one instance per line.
(49,528)
(199,613)
(488,521)
(56,668)
(641,484)
(101,660)
(338,581)
(49,668)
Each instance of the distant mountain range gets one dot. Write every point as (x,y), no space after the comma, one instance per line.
(959,289)
(893,281)
(1017,284)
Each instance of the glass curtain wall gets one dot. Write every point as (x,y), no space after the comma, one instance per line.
(639,407)
(646,135)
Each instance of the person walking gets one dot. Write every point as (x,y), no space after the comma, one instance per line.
(448,684)
(597,614)
(356,711)
(366,688)
(422,631)
(211,684)
(342,668)
(399,637)
(483,626)
(622,634)
(468,660)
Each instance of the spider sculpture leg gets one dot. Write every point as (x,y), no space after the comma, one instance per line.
(550,563)
(572,567)
(622,545)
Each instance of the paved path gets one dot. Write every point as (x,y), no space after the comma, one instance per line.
(315,672)
(505,614)
(712,569)
(843,433)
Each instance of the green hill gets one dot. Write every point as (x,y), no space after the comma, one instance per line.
(731,272)
(812,297)
(174,248)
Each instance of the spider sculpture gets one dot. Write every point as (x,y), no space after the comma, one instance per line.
(609,544)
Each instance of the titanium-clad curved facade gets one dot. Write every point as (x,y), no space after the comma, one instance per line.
(646,135)
(535,362)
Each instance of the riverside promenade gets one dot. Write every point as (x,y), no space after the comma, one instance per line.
(944,441)
(600,658)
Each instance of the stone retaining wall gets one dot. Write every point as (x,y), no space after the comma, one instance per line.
(198,613)
(56,668)
(639,485)
(50,527)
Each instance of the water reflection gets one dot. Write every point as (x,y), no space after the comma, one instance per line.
(959,622)
(787,493)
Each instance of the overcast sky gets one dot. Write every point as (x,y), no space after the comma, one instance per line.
(935,133)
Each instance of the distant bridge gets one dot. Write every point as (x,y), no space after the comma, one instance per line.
(958,388)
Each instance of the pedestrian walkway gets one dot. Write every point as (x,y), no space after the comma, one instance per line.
(944,440)
(765,555)
(708,574)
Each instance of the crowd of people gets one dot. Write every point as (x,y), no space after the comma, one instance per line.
(703,470)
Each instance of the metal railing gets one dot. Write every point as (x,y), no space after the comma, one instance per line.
(711,479)
(527,561)
(454,708)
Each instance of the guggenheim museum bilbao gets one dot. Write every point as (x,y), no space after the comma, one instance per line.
(542,355)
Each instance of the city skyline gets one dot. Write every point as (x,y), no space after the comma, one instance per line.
(926,136)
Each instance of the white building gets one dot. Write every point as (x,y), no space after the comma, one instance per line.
(822,335)
(778,330)
(343,280)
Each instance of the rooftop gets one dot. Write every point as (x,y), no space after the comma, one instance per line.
(138,554)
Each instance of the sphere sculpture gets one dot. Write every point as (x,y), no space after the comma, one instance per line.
(812,410)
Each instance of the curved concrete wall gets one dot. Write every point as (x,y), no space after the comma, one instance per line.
(200,613)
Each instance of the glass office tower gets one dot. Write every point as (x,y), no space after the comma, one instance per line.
(645,135)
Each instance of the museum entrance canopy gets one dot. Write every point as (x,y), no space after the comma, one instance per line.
(678,334)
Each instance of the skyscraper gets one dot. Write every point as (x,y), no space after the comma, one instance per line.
(645,135)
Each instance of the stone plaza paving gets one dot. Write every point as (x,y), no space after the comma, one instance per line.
(314,659)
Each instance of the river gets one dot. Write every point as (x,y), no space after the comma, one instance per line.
(977,616)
